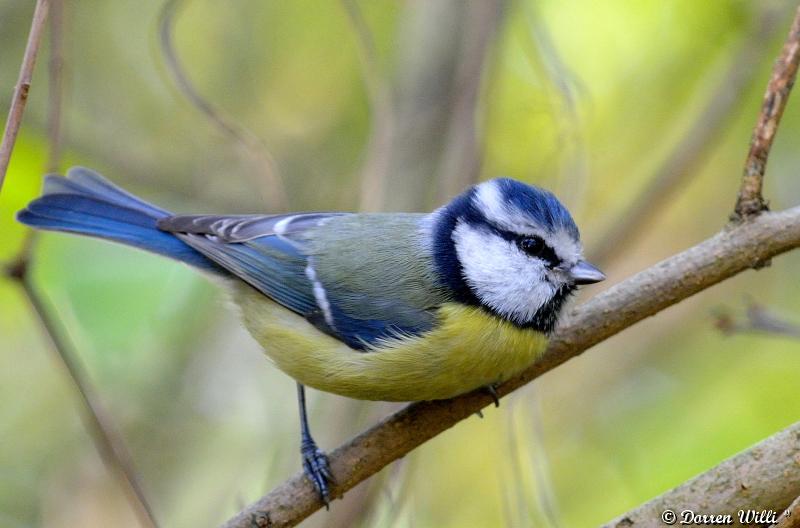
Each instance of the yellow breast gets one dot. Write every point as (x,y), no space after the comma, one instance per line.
(469,348)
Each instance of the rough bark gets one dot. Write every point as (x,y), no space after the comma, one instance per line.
(764,477)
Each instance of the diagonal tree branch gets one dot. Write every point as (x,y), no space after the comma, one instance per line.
(764,477)
(750,200)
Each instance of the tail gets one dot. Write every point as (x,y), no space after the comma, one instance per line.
(84,202)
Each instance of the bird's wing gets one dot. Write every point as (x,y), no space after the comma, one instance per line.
(273,254)
(243,228)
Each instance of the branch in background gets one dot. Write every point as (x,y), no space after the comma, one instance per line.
(764,477)
(55,89)
(108,442)
(425,122)
(733,250)
(693,149)
(375,167)
(758,319)
(461,159)
(750,201)
(545,489)
(545,58)
(276,197)
(377,89)
(423,92)
(20,97)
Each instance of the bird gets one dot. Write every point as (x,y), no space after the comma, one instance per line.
(373,306)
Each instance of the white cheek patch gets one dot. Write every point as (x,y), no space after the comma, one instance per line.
(502,277)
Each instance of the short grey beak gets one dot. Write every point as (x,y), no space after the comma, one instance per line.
(585,273)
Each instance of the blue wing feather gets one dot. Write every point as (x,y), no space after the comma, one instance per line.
(271,266)
(276,266)
(268,252)
(360,333)
(85,203)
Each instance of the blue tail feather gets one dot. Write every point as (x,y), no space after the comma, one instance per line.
(84,202)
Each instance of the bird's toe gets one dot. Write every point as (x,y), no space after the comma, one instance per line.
(316,467)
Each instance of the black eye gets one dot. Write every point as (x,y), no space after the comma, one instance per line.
(536,247)
(533,246)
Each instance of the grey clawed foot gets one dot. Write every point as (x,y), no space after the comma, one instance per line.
(315,465)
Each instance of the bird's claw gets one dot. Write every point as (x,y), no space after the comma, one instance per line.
(492,390)
(315,464)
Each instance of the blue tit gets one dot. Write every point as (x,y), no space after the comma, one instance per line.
(392,306)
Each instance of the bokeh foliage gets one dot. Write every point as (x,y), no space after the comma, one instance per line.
(583,97)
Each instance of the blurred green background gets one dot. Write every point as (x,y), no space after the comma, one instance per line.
(373,105)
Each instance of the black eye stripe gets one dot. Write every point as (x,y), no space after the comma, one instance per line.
(546,253)
(536,247)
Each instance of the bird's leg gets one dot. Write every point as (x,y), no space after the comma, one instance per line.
(492,390)
(315,462)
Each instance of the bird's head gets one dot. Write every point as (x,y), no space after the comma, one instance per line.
(513,249)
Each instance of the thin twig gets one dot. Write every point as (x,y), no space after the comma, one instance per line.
(20,96)
(750,201)
(252,144)
(765,477)
(374,169)
(758,319)
(547,62)
(368,54)
(735,249)
(423,92)
(107,440)
(461,159)
(694,147)
(55,96)
(55,77)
